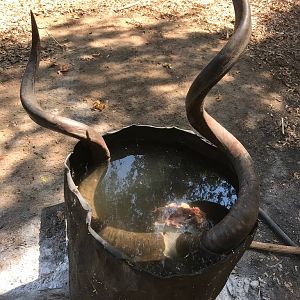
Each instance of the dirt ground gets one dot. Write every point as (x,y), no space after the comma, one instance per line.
(110,65)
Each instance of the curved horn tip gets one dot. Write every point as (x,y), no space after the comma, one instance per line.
(34,27)
(32,17)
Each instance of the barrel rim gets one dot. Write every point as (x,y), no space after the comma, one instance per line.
(118,254)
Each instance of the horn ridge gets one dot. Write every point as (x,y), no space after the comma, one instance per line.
(46,119)
(241,219)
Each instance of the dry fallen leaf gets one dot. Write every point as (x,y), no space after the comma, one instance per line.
(167,66)
(44,179)
(63,69)
(98,105)
(87,57)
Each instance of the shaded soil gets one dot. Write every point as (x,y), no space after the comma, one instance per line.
(111,68)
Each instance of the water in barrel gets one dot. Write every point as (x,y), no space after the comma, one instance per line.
(148,195)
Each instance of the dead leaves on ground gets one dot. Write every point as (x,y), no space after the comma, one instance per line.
(87,57)
(98,105)
(61,68)
(167,65)
(64,68)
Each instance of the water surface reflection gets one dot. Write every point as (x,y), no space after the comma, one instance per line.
(153,176)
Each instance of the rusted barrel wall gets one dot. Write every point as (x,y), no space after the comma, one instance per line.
(98,271)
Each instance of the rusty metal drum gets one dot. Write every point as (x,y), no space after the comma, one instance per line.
(100,271)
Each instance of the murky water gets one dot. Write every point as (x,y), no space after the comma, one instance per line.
(126,192)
